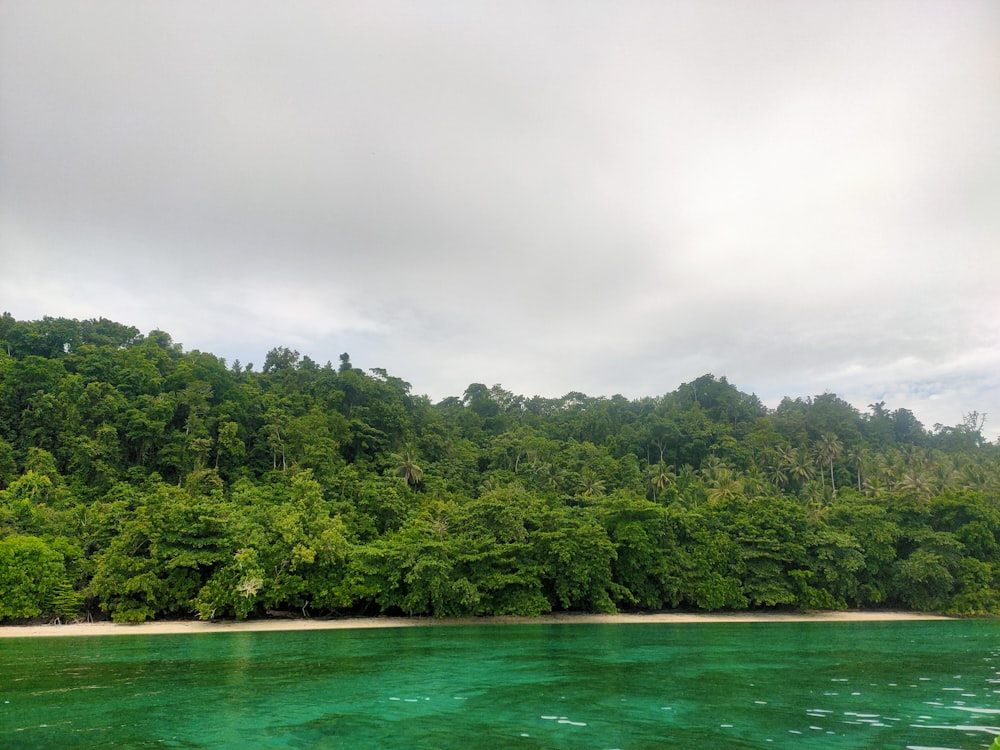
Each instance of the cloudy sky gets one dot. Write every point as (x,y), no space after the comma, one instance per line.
(553,195)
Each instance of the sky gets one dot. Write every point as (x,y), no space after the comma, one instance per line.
(556,196)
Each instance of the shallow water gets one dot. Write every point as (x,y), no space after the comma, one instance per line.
(733,685)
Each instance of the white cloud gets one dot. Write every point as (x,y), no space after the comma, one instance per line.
(554,196)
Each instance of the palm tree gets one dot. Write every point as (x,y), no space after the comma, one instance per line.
(688,486)
(910,454)
(859,459)
(755,481)
(915,480)
(875,486)
(778,463)
(800,469)
(660,475)
(827,450)
(778,475)
(973,477)
(407,468)
(590,485)
(724,485)
(943,473)
(711,466)
(882,470)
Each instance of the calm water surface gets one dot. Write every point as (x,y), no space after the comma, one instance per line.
(733,685)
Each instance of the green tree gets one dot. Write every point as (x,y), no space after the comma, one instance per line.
(660,476)
(828,450)
(32,576)
(576,557)
(407,468)
(165,551)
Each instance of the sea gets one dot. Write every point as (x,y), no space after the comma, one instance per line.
(920,685)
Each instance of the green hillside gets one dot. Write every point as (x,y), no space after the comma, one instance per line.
(142,481)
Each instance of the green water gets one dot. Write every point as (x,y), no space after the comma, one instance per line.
(734,685)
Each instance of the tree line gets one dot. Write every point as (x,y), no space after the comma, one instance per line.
(142,481)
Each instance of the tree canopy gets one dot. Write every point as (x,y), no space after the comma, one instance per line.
(141,481)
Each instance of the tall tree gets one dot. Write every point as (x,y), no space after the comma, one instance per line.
(828,449)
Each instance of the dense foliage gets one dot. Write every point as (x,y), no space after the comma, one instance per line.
(144,481)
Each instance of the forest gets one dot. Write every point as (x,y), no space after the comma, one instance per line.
(140,481)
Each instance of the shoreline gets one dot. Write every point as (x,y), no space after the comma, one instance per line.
(174,627)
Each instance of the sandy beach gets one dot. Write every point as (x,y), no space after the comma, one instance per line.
(168,627)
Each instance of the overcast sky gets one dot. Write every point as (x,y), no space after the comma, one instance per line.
(607,197)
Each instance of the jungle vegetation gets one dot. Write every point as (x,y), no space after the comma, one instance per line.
(142,481)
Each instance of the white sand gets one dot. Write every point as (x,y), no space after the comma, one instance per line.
(175,626)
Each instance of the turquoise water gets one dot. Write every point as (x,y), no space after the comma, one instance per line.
(732,685)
